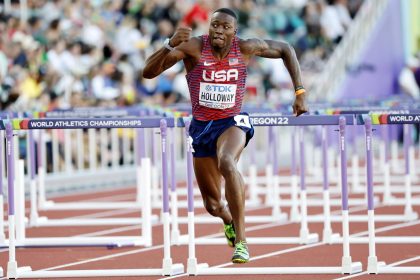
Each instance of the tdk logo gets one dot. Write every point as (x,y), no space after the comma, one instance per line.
(219,88)
(220,76)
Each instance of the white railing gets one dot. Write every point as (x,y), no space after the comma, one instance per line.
(348,49)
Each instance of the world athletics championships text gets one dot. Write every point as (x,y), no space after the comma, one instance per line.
(404,118)
(84,123)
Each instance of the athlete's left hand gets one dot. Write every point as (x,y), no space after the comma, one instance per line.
(299,106)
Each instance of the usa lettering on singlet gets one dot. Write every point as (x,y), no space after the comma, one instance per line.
(217,87)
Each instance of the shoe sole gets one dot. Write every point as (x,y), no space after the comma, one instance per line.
(239,261)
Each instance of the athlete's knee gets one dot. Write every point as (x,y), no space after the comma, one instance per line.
(214,208)
(227,165)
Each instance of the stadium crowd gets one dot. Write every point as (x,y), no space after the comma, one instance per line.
(69,53)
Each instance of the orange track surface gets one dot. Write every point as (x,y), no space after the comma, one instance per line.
(140,257)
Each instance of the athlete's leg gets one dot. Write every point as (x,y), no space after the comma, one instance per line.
(229,147)
(209,181)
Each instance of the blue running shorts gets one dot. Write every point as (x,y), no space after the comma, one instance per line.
(204,134)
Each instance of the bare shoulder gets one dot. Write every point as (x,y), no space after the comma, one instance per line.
(252,46)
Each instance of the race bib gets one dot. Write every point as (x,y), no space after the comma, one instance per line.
(217,96)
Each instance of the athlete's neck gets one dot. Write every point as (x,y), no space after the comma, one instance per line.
(220,53)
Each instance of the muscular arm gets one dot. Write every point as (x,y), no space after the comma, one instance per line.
(185,48)
(274,49)
(160,61)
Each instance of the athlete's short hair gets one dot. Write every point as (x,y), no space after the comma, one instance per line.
(226,11)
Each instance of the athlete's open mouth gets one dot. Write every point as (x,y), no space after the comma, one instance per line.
(220,39)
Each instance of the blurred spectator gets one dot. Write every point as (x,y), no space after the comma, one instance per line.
(409,78)
(331,23)
(78,52)
(197,17)
(105,83)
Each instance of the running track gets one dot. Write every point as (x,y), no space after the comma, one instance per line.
(216,255)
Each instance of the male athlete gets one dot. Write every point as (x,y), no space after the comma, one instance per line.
(216,73)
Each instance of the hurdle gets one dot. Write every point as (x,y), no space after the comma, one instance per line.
(375,267)
(380,120)
(347,266)
(44,204)
(86,113)
(291,181)
(305,236)
(276,216)
(142,162)
(144,239)
(14,272)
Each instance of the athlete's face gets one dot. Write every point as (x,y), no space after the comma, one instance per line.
(222,29)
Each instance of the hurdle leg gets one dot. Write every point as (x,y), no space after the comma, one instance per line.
(168,268)
(394,154)
(103,134)
(20,201)
(68,157)
(144,179)
(387,184)
(269,200)
(141,153)
(348,267)
(175,233)
(126,153)
(269,168)
(33,217)
(252,185)
(386,168)
(143,195)
(41,171)
(12,266)
(252,177)
(327,234)
(192,266)
(55,150)
(372,267)
(408,210)
(92,149)
(294,210)
(305,236)
(114,148)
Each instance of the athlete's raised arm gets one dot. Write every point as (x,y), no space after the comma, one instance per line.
(177,48)
(277,49)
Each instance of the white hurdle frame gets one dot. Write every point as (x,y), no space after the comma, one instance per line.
(375,267)
(347,266)
(15,272)
(51,205)
(145,239)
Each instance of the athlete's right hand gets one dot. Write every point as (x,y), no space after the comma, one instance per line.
(182,34)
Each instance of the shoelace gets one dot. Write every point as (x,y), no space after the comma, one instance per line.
(241,248)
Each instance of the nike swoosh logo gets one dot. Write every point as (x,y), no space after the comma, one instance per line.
(208,63)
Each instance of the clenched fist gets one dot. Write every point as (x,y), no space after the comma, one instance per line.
(182,34)
(299,106)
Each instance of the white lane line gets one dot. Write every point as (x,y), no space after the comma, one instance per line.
(392,265)
(276,253)
(220,234)
(227,264)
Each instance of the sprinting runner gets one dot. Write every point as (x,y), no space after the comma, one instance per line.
(216,74)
